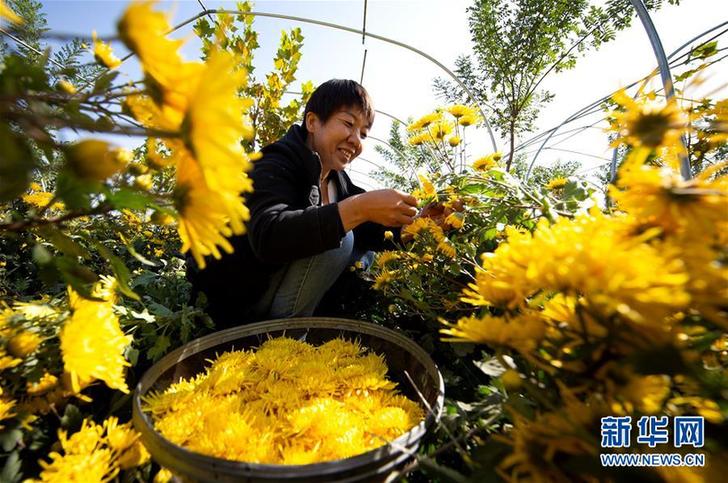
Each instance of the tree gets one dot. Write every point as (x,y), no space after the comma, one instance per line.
(517,43)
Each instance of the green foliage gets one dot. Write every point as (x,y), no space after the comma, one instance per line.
(269,116)
(541,175)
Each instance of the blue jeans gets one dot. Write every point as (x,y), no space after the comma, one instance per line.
(296,289)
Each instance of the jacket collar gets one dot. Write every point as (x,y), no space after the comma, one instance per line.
(295,139)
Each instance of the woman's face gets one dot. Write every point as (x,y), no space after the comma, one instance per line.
(338,140)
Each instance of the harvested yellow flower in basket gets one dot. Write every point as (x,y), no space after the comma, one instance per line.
(286,403)
(306,399)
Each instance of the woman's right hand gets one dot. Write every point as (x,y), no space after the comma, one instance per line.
(386,207)
(389,207)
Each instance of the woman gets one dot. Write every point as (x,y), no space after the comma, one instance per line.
(308,221)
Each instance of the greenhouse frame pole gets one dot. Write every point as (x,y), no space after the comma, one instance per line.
(667,83)
(664,66)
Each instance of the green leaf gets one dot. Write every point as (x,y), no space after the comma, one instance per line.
(443,473)
(706,50)
(132,251)
(160,310)
(63,242)
(130,199)
(132,355)
(80,278)
(685,75)
(121,272)
(11,469)
(491,367)
(74,192)
(120,400)
(41,255)
(16,164)
(143,315)
(72,417)
(203,28)
(9,438)
(103,83)
(159,349)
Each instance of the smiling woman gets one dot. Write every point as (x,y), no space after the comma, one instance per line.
(308,221)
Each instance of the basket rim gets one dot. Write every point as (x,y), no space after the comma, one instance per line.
(155,441)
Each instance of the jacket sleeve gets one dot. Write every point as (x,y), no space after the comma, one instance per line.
(369,235)
(279,230)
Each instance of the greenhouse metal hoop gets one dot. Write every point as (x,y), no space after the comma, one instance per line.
(638,5)
(581,112)
(352,30)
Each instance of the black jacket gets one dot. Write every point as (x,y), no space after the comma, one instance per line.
(287,222)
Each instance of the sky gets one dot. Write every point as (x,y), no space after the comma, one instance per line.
(400,81)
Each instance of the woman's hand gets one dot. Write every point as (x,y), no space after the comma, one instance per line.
(387,207)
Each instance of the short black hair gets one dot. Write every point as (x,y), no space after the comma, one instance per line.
(335,94)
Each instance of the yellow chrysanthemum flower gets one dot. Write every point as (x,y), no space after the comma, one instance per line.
(426,190)
(23,344)
(286,403)
(44,384)
(455,220)
(92,343)
(537,442)
(522,332)
(486,162)
(637,281)
(460,110)
(204,221)
(468,120)
(6,408)
(419,139)
(556,184)
(84,459)
(647,124)
(214,128)
(148,113)
(94,453)
(707,408)
(659,196)
(426,225)
(454,141)
(439,129)
(424,121)
(104,55)
(9,15)
(8,362)
(386,257)
(163,476)
(645,394)
(40,199)
(144,31)
(95,159)
(447,249)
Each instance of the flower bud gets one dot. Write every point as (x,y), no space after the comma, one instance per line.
(143,182)
(95,160)
(67,87)
(161,218)
(23,344)
(511,380)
